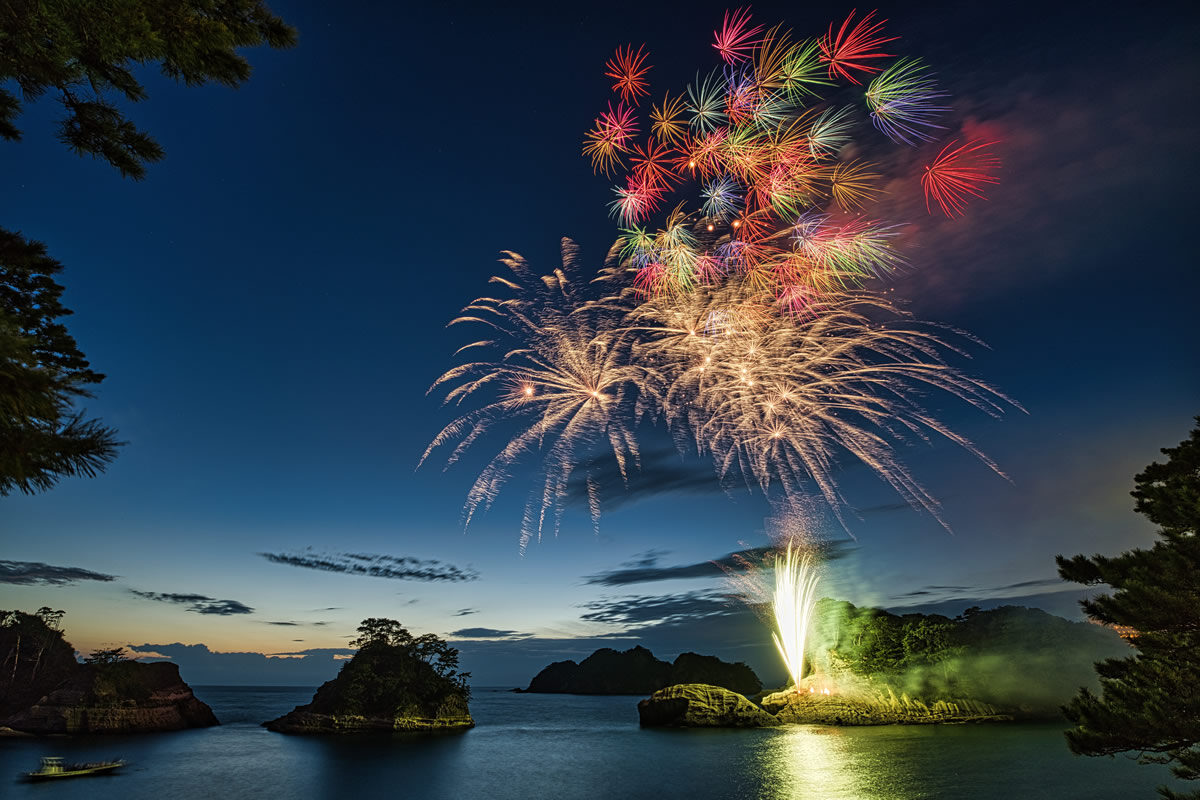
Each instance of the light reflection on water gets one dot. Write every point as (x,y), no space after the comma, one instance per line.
(805,761)
(579,748)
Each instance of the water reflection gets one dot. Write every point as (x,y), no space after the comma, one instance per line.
(804,761)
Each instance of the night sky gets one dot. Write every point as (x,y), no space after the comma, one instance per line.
(270,304)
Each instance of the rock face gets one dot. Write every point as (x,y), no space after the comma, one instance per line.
(382,689)
(637,671)
(697,705)
(44,690)
(837,709)
(126,697)
(301,721)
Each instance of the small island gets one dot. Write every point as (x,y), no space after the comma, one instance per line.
(395,683)
(637,671)
(44,690)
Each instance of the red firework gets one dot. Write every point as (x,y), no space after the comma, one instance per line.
(851,48)
(957,174)
(651,165)
(626,69)
(735,41)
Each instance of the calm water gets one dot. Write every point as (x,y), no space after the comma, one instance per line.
(561,746)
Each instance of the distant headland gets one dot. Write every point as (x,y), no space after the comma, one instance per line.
(637,671)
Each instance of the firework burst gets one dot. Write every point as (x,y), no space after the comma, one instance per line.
(562,374)
(628,70)
(785,399)
(754,140)
(852,48)
(902,102)
(957,174)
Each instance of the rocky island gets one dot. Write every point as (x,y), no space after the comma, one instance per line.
(395,683)
(701,706)
(637,671)
(869,667)
(45,690)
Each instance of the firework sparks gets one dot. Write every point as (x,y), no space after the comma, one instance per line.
(901,100)
(565,375)
(762,150)
(783,398)
(735,40)
(851,48)
(957,174)
(795,598)
(627,70)
(743,323)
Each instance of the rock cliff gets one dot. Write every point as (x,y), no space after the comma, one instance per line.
(44,690)
(126,697)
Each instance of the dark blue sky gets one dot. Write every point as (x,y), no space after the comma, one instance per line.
(269,306)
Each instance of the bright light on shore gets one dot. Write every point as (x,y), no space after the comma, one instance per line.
(795,599)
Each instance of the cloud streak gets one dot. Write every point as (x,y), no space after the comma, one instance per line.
(35,573)
(643,609)
(645,569)
(487,633)
(659,472)
(199,603)
(375,565)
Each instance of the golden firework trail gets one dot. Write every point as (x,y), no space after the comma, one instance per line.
(795,598)
(555,369)
(780,399)
(785,399)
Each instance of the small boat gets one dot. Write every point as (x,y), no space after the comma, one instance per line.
(53,768)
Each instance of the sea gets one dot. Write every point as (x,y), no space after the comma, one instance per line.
(530,746)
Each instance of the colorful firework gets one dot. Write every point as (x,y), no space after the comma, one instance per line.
(852,48)
(901,100)
(735,40)
(666,121)
(761,150)
(957,174)
(628,70)
(744,324)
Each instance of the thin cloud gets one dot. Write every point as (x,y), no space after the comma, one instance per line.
(884,508)
(27,573)
(201,604)
(646,570)
(463,612)
(487,633)
(659,472)
(293,623)
(643,609)
(375,565)
(1055,581)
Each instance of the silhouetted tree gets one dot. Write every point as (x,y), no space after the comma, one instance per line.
(380,630)
(386,647)
(112,656)
(42,373)
(85,51)
(1150,703)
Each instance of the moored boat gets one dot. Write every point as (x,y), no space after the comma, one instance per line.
(53,768)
